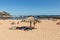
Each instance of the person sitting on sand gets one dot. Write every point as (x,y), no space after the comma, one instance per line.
(12,23)
(18,22)
(58,23)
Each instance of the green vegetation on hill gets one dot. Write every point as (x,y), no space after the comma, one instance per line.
(4,13)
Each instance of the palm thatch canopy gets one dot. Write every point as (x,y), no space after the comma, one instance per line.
(30,19)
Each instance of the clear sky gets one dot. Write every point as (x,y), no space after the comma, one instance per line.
(31,7)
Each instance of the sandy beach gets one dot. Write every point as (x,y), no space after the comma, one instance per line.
(46,30)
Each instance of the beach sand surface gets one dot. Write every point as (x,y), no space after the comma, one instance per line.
(46,30)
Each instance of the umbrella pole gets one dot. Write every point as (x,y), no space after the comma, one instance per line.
(33,24)
(30,24)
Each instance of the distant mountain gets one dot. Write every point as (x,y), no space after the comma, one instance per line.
(4,13)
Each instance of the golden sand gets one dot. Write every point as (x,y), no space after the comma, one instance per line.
(46,30)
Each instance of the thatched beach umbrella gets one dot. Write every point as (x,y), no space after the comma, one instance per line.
(31,20)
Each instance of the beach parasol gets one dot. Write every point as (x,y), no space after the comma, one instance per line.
(31,20)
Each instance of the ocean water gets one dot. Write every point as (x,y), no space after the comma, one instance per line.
(41,16)
(36,16)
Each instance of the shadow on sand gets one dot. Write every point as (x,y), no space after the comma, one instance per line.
(25,28)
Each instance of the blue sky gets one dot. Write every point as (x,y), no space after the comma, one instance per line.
(31,7)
